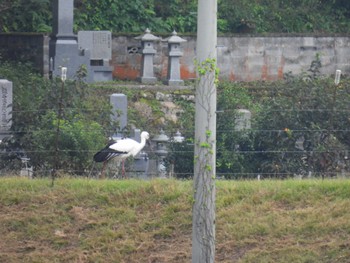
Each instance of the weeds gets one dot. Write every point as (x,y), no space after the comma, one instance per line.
(150,221)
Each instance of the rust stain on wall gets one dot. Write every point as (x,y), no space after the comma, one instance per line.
(186,73)
(264,72)
(125,72)
(164,68)
(232,76)
(281,68)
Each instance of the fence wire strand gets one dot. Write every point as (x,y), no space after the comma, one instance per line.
(190,133)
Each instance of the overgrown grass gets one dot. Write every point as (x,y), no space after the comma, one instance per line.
(82,220)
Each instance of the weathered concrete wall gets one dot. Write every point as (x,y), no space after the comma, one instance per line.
(240,58)
(127,57)
(268,58)
(26,47)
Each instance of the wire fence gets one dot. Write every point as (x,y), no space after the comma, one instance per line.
(339,165)
(94,170)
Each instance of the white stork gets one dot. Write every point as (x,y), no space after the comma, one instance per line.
(122,149)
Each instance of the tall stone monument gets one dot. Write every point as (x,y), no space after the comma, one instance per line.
(65,50)
(5,107)
(63,44)
(119,113)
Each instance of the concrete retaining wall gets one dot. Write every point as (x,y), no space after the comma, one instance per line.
(26,47)
(240,58)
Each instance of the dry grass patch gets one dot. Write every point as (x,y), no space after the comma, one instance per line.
(150,221)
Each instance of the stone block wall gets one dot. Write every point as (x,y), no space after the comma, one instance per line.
(240,58)
(26,47)
(269,58)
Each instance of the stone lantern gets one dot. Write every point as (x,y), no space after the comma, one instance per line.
(178,137)
(148,51)
(175,53)
(161,139)
(176,141)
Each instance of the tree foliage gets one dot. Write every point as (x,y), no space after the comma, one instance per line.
(25,16)
(303,128)
(83,124)
(164,16)
(299,127)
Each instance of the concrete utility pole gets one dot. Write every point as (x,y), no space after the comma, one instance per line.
(203,224)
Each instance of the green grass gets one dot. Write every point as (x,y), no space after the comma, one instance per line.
(80,220)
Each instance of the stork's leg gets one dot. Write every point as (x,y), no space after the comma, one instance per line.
(103,170)
(123,169)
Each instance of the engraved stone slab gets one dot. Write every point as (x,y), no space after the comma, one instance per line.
(98,42)
(119,114)
(5,105)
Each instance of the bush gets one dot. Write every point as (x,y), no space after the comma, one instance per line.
(83,124)
(302,127)
(231,143)
(77,140)
(164,16)
(299,127)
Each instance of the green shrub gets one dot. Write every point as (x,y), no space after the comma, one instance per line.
(303,127)
(84,122)
(77,140)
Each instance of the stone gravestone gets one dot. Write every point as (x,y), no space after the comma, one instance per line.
(6,108)
(99,43)
(119,114)
(63,43)
(65,51)
(243,120)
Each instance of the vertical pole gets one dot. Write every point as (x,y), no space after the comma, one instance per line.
(203,223)
(59,117)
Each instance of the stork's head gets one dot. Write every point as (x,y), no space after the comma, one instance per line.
(145,135)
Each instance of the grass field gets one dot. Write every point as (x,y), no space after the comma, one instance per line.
(82,220)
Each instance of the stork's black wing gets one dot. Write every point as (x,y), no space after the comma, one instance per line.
(106,154)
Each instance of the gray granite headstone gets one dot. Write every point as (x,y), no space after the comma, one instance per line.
(119,103)
(140,165)
(119,114)
(243,120)
(98,42)
(63,18)
(65,51)
(63,44)
(5,107)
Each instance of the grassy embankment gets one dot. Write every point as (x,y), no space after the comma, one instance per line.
(150,221)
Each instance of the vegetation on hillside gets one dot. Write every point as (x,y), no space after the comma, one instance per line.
(150,221)
(35,122)
(164,16)
(299,126)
